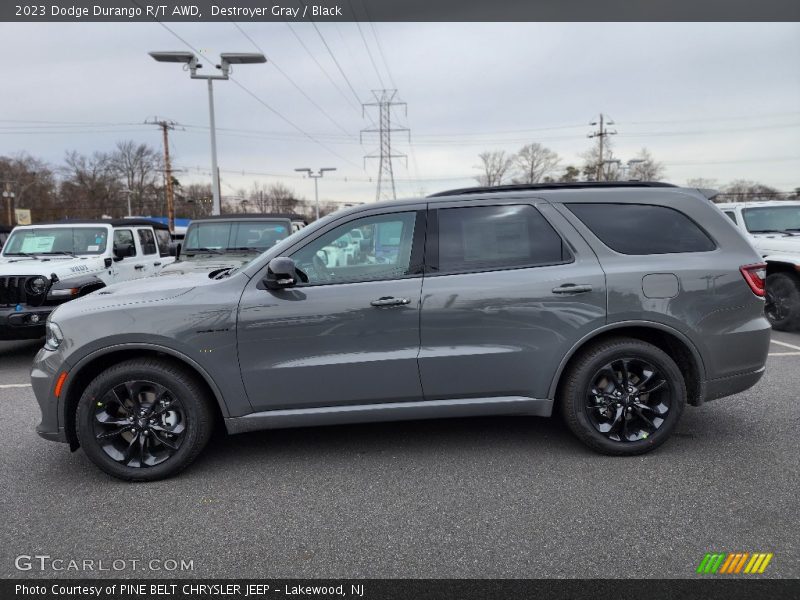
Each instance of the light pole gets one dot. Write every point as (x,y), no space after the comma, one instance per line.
(315,177)
(227,59)
(128,193)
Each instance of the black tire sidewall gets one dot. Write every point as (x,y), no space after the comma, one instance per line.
(195,413)
(575,395)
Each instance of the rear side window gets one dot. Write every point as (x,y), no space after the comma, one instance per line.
(496,237)
(163,240)
(643,228)
(731,215)
(147,241)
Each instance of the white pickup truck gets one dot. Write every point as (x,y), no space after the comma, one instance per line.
(44,265)
(774,230)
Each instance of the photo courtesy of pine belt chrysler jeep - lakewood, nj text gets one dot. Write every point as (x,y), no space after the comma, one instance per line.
(613,304)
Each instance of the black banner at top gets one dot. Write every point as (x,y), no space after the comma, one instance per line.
(399,10)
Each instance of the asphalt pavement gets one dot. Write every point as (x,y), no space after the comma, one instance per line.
(487,497)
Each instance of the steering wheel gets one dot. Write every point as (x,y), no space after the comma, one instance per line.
(321,269)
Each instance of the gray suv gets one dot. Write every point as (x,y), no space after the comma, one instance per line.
(613,304)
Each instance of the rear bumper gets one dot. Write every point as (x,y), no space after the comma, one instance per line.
(27,323)
(728,386)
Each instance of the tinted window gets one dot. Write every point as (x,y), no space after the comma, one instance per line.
(731,215)
(147,241)
(642,229)
(163,240)
(382,252)
(496,237)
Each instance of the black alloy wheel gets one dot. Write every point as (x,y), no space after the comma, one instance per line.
(628,400)
(139,424)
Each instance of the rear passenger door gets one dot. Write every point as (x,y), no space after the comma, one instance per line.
(150,262)
(509,288)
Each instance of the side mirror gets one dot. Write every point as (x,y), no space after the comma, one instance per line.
(175,249)
(281,274)
(123,250)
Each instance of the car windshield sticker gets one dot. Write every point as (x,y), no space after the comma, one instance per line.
(38,243)
(92,248)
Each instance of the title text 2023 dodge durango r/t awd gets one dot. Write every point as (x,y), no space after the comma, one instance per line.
(615,304)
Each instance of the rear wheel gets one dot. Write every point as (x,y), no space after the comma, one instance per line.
(143,420)
(782,306)
(623,397)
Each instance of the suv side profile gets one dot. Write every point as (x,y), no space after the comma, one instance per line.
(614,304)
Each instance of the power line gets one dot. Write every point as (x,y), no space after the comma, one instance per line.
(292,81)
(369,51)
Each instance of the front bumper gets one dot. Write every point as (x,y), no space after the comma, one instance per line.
(44,372)
(23,322)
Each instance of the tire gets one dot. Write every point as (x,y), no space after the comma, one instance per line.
(144,447)
(783,301)
(637,429)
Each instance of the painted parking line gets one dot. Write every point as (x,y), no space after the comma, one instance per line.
(792,346)
(14,385)
(784,354)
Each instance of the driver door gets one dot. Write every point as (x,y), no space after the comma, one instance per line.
(350,334)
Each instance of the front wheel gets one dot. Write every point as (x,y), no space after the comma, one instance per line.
(782,306)
(623,397)
(143,420)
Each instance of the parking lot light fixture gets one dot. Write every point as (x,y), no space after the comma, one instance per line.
(192,64)
(315,177)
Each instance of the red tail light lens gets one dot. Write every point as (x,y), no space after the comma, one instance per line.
(756,278)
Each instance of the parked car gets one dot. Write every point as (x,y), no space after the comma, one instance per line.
(44,265)
(214,244)
(613,304)
(773,228)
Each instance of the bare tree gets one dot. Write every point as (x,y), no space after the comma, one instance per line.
(90,188)
(33,183)
(195,200)
(533,162)
(594,169)
(140,168)
(282,199)
(743,191)
(645,167)
(495,166)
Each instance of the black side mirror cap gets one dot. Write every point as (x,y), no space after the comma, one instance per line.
(281,274)
(175,249)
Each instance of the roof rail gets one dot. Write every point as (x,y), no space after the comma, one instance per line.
(560,185)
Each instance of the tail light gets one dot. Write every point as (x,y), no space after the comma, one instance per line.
(756,277)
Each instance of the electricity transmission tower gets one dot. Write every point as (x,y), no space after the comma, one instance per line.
(165,127)
(601,133)
(384,100)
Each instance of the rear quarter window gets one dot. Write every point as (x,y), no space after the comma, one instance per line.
(643,228)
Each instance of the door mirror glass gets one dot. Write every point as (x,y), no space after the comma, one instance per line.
(123,250)
(281,274)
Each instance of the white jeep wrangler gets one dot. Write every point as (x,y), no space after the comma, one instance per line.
(43,265)
(774,230)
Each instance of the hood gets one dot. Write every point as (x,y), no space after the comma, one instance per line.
(136,292)
(63,267)
(206,263)
(777,243)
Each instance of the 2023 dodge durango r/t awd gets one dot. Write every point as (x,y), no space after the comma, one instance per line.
(615,305)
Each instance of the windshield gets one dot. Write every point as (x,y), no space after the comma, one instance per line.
(237,235)
(56,240)
(772,218)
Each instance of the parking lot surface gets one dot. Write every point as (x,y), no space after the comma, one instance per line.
(487,497)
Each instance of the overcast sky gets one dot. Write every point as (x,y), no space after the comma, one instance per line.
(720,101)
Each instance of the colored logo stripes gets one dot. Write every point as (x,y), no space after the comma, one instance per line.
(734,563)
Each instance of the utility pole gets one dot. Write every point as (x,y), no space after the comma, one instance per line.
(9,197)
(601,133)
(384,100)
(170,192)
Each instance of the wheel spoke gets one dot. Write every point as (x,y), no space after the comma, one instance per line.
(113,434)
(656,387)
(164,442)
(644,418)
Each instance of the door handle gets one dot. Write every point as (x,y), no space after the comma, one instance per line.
(156,264)
(138,267)
(571,288)
(389,301)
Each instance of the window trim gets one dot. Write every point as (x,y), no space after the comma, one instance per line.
(591,231)
(416,262)
(432,243)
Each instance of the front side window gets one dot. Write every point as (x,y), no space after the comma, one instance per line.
(642,228)
(57,240)
(123,238)
(496,237)
(383,251)
(770,219)
(147,241)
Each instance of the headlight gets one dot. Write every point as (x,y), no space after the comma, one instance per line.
(36,286)
(54,337)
